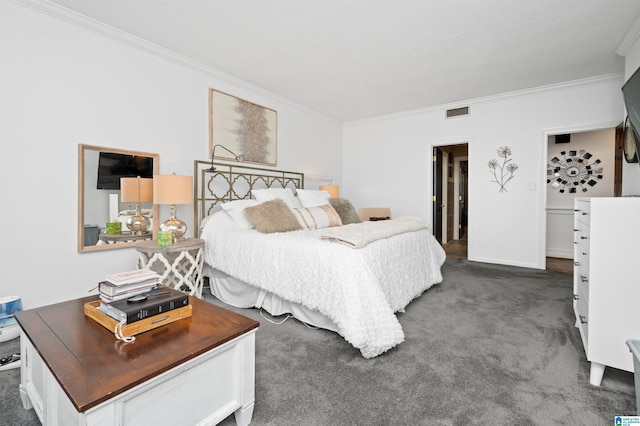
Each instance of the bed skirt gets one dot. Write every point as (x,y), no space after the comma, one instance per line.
(235,292)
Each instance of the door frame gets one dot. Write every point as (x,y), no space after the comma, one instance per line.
(470,201)
(542,181)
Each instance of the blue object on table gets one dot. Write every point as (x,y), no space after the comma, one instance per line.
(8,326)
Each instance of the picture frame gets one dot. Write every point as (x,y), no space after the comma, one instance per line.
(242,127)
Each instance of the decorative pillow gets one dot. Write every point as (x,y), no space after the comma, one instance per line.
(313,197)
(272,216)
(285,194)
(235,210)
(317,217)
(345,210)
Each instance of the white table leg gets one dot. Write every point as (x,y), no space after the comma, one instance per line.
(26,402)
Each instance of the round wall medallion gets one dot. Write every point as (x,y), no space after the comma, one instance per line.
(573,171)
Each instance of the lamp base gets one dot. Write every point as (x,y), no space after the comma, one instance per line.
(138,224)
(178,227)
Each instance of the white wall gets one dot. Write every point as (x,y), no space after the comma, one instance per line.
(64,84)
(387,160)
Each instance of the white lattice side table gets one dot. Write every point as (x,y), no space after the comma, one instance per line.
(179,265)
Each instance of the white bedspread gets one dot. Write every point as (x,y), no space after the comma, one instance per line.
(359,290)
(358,235)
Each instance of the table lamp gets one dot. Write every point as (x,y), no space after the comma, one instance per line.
(137,190)
(173,189)
(333,190)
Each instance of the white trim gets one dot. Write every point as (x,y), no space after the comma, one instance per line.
(97,27)
(629,39)
(562,254)
(491,98)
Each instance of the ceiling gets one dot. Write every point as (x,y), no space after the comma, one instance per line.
(355,59)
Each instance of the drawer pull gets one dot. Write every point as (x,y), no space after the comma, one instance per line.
(576,297)
(583,238)
(575,230)
(584,279)
(576,263)
(584,213)
(583,319)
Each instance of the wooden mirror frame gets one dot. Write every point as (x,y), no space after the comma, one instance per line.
(82,149)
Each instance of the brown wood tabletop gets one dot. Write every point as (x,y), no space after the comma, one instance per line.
(91,365)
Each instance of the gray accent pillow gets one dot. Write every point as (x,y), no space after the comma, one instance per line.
(345,210)
(272,216)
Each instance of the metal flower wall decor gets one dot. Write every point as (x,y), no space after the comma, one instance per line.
(574,170)
(502,170)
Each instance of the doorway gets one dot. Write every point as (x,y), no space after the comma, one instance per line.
(580,163)
(450,198)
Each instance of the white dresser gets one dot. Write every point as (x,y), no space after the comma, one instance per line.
(606,280)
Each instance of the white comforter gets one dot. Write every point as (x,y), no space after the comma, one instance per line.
(359,290)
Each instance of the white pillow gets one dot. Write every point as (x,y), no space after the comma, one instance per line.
(235,210)
(313,197)
(238,204)
(270,194)
(317,217)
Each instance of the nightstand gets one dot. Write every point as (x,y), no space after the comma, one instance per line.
(179,265)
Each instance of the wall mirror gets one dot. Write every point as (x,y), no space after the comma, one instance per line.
(99,196)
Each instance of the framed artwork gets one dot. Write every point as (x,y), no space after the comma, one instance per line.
(242,127)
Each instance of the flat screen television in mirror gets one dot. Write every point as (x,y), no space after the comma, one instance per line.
(631,93)
(113,166)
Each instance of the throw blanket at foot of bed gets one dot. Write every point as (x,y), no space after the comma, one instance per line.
(358,235)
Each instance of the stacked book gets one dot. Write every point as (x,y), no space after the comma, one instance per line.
(127,284)
(135,295)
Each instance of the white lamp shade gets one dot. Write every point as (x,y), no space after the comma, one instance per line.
(333,190)
(136,190)
(172,189)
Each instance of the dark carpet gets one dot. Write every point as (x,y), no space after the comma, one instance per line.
(491,344)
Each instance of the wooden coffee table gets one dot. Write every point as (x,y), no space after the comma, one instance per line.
(197,370)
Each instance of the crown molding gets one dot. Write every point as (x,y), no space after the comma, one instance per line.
(629,39)
(534,90)
(84,22)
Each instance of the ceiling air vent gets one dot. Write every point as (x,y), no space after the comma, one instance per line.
(457,112)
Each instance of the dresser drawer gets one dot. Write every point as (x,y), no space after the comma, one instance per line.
(581,307)
(581,257)
(583,212)
(581,236)
(583,287)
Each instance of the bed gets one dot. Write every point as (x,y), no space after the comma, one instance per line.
(351,279)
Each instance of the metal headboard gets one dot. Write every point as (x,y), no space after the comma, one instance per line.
(231,182)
